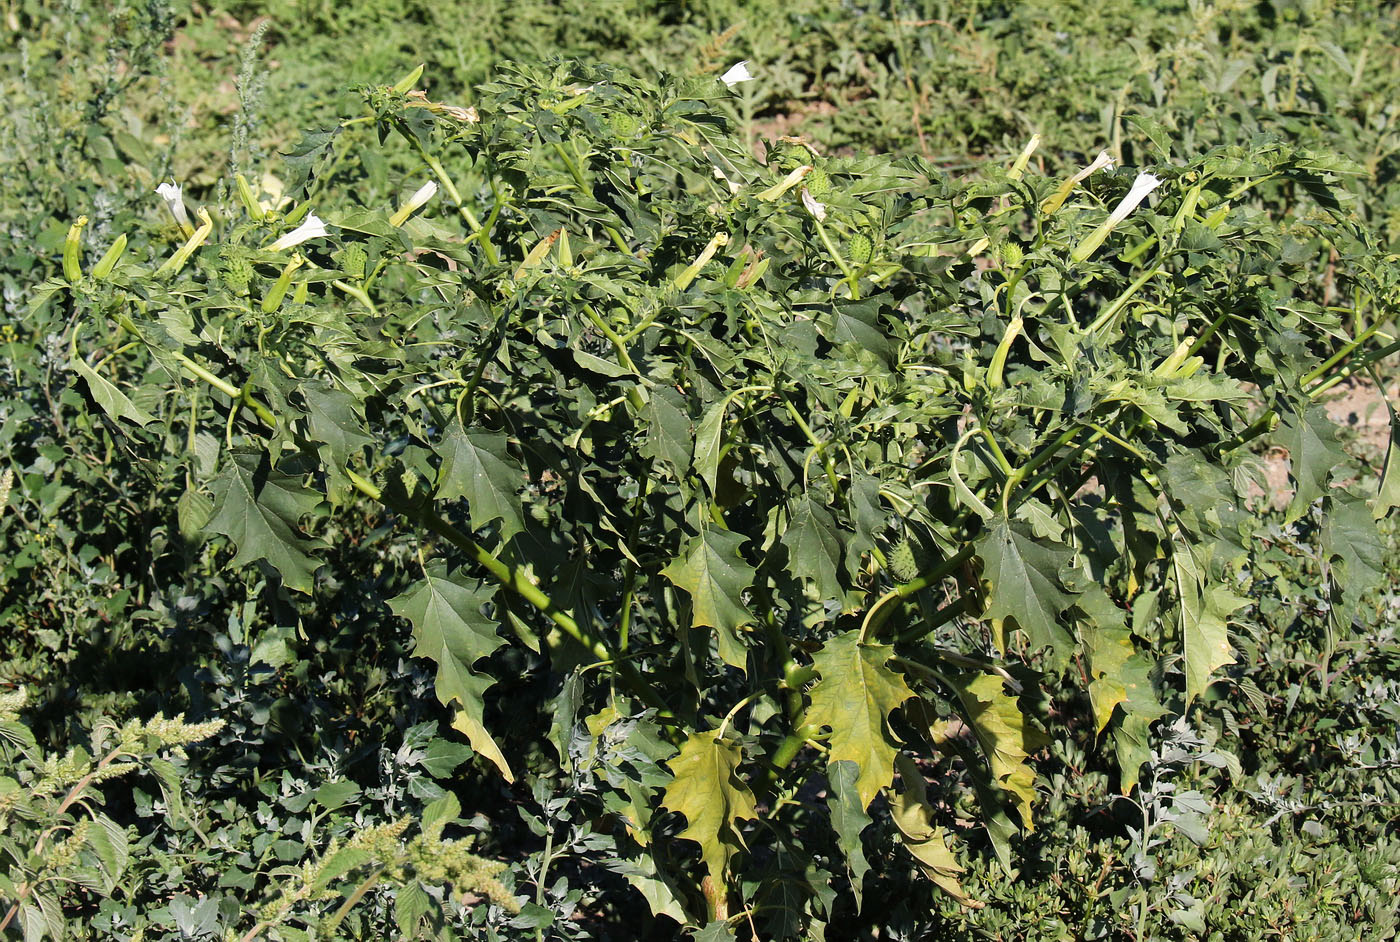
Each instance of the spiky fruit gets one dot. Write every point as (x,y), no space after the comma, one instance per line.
(623,125)
(238,273)
(860,248)
(818,183)
(352,260)
(903,566)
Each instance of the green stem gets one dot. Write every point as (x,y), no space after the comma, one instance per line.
(365,886)
(1040,457)
(467,215)
(850,277)
(939,618)
(1111,312)
(358,294)
(483,235)
(818,446)
(576,172)
(634,395)
(881,611)
(228,389)
(1360,364)
(997,453)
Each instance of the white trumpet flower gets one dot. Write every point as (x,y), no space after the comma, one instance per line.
(170,192)
(1054,202)
(1144,184)
(738,72)
(312,228)
(1100,162)
(424,193)
(818,210)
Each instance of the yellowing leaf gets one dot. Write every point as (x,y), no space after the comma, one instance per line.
(855,694)
(707,790)
(913,816)
(1204,632)
(1006,736)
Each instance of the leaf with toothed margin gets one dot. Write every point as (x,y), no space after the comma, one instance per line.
(854,696)
(1022,573)
(475,466)
(708,791)
(259,508)
(450,629)
(715,575)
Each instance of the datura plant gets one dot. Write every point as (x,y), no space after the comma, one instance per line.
(800,473)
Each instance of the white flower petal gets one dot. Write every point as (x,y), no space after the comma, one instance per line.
(738,72)
(1144,184)
(1100,162)
(170,192)
(816,209)
(424,193)
(311,228)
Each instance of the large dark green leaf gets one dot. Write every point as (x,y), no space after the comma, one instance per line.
(450,629)
(814,552)
(714,574)
(1313,451)
(849,819)
(332,421)
(1022,573)
(260,508)
(475,466)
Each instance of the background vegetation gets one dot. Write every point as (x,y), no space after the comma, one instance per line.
(322,762)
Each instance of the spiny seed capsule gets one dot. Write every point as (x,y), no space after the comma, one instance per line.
(860,248)
(238,273)
(903,566)
(624,124)
(352,260)
(818,184)
(1011,255)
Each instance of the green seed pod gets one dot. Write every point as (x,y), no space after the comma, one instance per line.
(818,183)
(352,260)
(104,266)
(903,566)
(238,273)
(624,125)
(860,248)
(1011,255)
